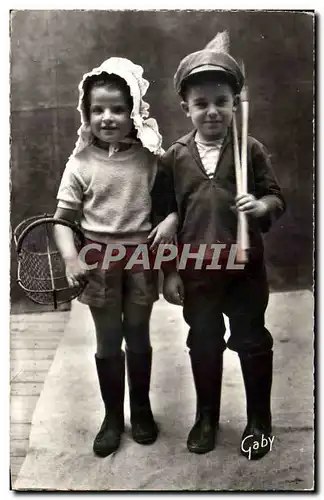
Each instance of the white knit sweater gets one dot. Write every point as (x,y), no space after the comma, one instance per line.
(112,193)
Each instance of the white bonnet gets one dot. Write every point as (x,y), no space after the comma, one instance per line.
(147,128)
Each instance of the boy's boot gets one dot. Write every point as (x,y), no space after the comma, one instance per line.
(207,373)
(111,374)
(144,428)
(257,375)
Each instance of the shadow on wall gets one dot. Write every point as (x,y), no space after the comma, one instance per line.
(48,59)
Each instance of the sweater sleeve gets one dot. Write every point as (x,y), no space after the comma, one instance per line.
(266,185)
(70,192)
(163,194)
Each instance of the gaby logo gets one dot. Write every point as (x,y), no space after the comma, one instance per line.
(248,444)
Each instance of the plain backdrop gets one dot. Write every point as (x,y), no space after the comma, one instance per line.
(52,49)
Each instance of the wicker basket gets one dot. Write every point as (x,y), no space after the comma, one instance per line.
(41,269)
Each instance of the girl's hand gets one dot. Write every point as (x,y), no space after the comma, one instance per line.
(248,204)
(164,232)
(75,273)
(173,290)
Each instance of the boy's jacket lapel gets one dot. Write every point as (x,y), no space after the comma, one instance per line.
(188,140)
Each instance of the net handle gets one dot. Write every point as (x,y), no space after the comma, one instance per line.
(23,223)
(43,220)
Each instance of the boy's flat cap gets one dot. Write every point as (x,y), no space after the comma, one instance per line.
(208,60)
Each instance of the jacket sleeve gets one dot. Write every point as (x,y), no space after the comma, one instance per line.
(266,185)
(164,200)
(163,194)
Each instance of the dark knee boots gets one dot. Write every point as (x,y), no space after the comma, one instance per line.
(257,375)
(144,428)
(111,374)
(207,373)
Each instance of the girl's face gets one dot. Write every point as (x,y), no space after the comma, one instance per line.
(210,106)
(110,120)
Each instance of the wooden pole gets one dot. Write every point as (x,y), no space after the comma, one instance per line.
(242,236)
(244,136)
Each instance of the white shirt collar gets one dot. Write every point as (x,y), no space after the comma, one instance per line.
(212,144)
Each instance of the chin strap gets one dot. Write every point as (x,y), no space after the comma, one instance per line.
(115,147)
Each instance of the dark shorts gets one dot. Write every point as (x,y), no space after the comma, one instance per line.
(116,285)
(240,295)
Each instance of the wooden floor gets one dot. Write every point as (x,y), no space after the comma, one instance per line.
(34,338)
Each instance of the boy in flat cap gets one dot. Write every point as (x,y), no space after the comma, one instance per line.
(199,169)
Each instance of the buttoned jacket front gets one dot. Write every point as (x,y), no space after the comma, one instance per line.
(206,205)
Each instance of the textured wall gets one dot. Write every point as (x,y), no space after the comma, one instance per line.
(50,50)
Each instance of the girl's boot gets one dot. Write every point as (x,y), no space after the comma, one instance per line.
(111,374)
(144,428)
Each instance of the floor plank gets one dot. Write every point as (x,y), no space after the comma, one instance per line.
(19,447)
(30,364)
(15,466)
(30,376)
(22,408)
(20,431)
(32,354)
(31,343)
(34,339)
(26,388)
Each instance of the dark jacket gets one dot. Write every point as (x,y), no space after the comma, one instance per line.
(204,204)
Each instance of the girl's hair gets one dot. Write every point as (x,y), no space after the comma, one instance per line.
(103,80)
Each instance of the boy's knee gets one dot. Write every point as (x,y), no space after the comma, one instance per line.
(251,344)
(203,345)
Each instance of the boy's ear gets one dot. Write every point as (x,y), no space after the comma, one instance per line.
(236,102)
(185,108)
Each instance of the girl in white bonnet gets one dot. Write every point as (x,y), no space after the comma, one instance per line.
(107,183)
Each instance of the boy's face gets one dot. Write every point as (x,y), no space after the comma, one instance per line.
(210,105)
(110,120)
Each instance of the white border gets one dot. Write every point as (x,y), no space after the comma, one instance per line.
(4,194)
